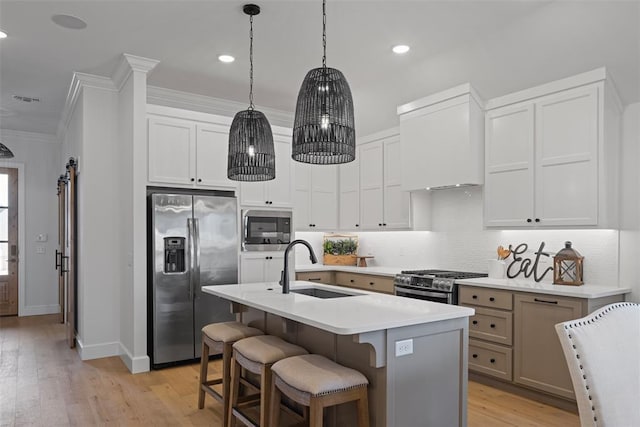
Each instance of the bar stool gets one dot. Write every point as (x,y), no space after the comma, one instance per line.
(257,355)
(220,337)
(317,382)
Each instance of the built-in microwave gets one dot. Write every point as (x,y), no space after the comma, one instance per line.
(265,230)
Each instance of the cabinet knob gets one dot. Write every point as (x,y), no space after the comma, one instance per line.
(475,356)
(351,280)
(371,283)
(475,322)
(380,225)
(528,219)
(492,299)
(357,225)
(492,360)
(193,179)
(266,202)
(475,297)
(384,224)
(270,202)
(492,325)
(199,179)
(537,219)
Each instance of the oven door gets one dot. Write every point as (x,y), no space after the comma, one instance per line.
(424,294)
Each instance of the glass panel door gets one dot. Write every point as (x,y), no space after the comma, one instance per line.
(8,241)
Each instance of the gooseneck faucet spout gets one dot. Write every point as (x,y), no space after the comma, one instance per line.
(284,275)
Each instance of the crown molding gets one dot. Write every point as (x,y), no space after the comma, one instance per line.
(130,63)
(78,82)
(383,134)
(207,104)
(20,136)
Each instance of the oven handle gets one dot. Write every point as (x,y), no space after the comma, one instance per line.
(421,293)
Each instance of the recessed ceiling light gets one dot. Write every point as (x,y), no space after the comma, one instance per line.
(401,48)
(70,22)
(226,58)
(3,35)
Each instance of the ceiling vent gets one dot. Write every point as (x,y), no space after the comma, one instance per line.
(25,98)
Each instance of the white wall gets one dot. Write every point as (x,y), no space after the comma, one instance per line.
(40,156)
(457,241)
(630,202)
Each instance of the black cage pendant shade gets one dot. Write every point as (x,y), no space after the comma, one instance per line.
(323,128)
(251,153)
(5,153)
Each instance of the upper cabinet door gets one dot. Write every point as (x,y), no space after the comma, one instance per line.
(324,200)
(171,151)
(211,156)
(280,189)
(397,203)
(349,216)
(371,186)
(302,196)
(509,166)
(567,158)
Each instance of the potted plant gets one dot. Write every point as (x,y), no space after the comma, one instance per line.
(340,249)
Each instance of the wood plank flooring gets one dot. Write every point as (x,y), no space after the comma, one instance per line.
(44,383)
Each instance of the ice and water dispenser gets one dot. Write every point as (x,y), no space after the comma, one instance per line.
(174,255)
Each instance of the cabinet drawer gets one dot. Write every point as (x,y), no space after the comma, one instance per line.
(490,359)
(486,297)
(365,281)
(492,325)
(325,277)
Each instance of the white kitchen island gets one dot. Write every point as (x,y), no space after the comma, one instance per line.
(427,387)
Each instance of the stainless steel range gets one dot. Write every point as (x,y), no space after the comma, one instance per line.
(431,285)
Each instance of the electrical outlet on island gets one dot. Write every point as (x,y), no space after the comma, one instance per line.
(404,347)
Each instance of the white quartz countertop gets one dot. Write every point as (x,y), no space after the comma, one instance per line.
(584,291)
(363,312)
(378,271)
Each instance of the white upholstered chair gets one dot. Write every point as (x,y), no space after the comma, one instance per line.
(603,354)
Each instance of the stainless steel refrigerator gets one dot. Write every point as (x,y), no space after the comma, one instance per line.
(192,242)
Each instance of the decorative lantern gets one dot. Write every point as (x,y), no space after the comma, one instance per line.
(567,266)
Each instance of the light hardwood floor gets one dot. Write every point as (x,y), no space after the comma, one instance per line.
(42,382)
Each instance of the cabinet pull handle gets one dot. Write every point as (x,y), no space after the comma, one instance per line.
(314,278)
(492,299)
(384,224)
(475,322)
(537,219)
(475,297)
(475,356)
(528,219)
(492,360)
(371,283)
(545,301)
(492,325)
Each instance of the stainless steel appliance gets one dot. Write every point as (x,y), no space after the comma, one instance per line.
(192,242)
(265,230)
(431,285)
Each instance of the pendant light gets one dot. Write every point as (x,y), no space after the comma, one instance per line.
(251,153)
(5,153)
(323,128)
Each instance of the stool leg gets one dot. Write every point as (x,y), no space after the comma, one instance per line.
(227,352)
(233,397)
(315,409)
(204,365)
(276,397)
(363,408)
(265,391)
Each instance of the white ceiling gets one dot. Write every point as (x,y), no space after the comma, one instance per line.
(498,46)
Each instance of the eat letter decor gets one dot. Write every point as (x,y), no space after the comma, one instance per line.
(522,265)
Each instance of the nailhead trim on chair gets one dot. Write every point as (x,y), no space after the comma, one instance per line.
(593,320)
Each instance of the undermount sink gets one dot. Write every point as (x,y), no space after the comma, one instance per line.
(320,293)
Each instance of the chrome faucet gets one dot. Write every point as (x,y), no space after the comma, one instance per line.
(284,274)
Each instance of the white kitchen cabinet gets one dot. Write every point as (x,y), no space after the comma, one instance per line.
(442,140)
(349,203)
(187,153)
(277,192)
(261,266)
(383,203)
(316,196)
(547,163)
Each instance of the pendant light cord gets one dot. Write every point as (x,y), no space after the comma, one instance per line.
(324,34)
(251,107)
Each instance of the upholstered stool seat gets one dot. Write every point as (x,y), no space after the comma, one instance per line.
(220,337)
(317,382)
(257,355)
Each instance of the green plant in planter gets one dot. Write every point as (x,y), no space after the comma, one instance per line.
(340,247)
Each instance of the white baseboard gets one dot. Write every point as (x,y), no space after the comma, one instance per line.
(39,310)
(98,351)
(135,365)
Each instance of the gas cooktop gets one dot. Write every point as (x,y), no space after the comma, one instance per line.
(444,274)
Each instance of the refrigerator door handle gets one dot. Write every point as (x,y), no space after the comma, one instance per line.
(191,255)
(196,245)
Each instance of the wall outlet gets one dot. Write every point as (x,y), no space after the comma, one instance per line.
(39,249)
(404,347)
